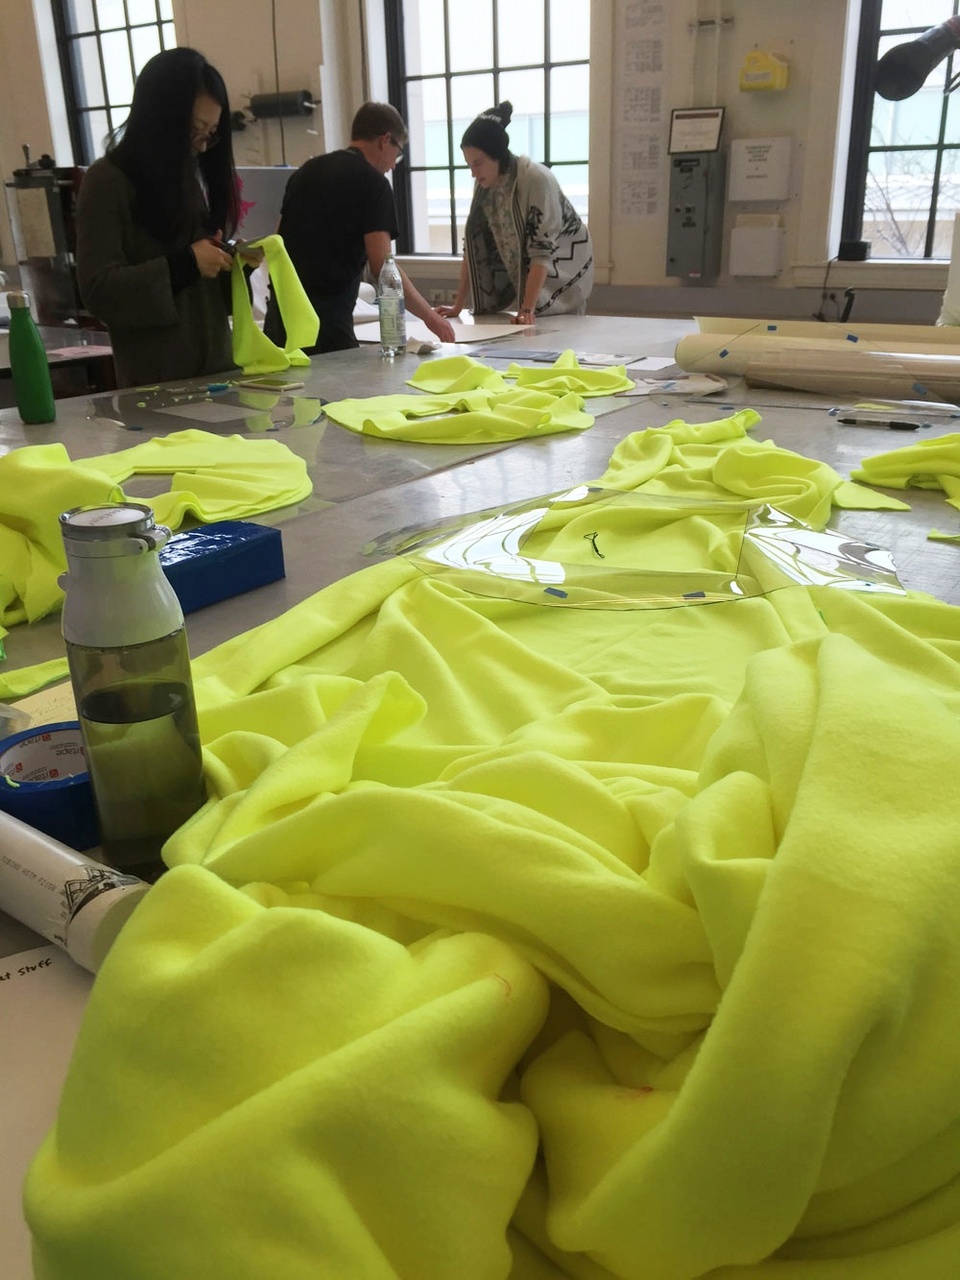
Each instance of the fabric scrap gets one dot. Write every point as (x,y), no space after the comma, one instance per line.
(929,464)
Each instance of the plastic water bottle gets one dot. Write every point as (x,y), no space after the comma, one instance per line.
(28,363)
(130,669)
(393,320)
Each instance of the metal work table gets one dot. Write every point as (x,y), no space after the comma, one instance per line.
(365,487)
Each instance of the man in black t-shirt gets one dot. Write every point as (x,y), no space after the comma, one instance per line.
(337,215)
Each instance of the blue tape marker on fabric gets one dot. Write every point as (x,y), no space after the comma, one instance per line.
(852,337)
(724,352)
(44,783)
(554,591)
(919,389)
(771,328)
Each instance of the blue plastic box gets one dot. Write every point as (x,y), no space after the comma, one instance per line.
(216,561)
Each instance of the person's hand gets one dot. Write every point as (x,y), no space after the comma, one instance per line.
(211,259)
(448,310)
(524,316)
(439,325)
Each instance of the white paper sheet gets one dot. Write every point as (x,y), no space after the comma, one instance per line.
(42,998)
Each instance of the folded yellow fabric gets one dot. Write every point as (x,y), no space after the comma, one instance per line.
(930,464)
(213,478)
(427,805)
(253,351)
(465,417)
(567,374)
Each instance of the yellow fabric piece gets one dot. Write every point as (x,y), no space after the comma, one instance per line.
(930,464)
(465,417)
(213,478)
(716,459)
(567,374)
(428,806)
(936,536)
(452,374)
(253,351)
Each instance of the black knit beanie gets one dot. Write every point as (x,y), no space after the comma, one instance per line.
(489,131)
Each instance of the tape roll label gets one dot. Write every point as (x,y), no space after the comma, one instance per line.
(47,756)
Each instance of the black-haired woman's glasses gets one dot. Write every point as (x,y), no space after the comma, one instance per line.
(204,137)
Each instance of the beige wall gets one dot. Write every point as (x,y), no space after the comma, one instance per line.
(334,49)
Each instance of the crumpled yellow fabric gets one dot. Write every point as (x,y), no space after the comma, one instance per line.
(464,417)
(449,375)
(929,464)
(713,459)
(721,839)
(212,477)
(566,374)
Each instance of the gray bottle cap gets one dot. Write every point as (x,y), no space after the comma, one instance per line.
(18,300)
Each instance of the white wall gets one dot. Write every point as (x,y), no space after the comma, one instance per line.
(334,49)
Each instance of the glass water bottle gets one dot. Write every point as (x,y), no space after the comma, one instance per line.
(127,651)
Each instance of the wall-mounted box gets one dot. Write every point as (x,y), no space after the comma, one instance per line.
(756,251)
(760,169)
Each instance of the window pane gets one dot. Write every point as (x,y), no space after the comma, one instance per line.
(463,191)
(471,34)
(574,184)
(86,69)
(570,113)
(423,37)
(145,42)
(169,36)
(96,127)
(569,30)
(469,96)
(897,202)
(116,64)
(78,16)
(520,33)
(911,122)
(952,128)
(141,11)
(430,97)
(525,89)
(110,14)
(166,11)
(913,13)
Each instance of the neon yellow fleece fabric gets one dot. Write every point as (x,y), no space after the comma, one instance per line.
(463,417)
(212,477)
(566,374)
(929,464)
(521,942)
(253,351)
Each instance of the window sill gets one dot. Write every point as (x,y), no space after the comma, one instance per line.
(874,273)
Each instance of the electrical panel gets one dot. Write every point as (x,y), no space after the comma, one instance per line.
(695,223)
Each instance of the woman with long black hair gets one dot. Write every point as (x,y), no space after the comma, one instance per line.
(150,218)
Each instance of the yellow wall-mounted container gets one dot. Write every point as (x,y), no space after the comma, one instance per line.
(762,70)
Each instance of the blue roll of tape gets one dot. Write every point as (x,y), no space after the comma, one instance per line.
(43,782)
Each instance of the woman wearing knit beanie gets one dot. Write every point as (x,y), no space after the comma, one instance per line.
(524,246)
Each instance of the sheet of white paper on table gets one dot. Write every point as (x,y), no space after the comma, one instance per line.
(42,998)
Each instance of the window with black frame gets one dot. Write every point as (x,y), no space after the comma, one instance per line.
(103,44)
(903,185)
(451,59)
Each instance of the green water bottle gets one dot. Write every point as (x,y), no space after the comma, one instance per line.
(28,363)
